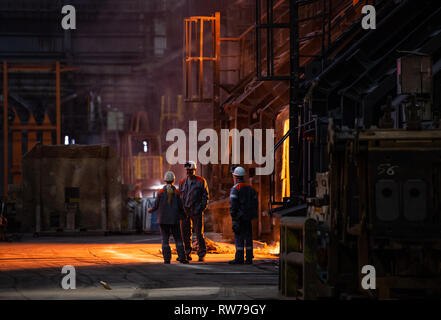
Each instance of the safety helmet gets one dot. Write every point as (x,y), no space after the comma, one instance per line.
(169,176)
(190,165)
(239,172)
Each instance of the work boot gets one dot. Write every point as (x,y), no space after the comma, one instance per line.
(238,257)
(189,257)
(249,258)
(166,253)
(235,262)
(201,259)
(183,260)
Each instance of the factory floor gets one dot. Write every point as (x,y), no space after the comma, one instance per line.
(131,267)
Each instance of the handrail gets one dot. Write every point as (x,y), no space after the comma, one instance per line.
(251,28)
(278,144)
(278,4)
(338,11)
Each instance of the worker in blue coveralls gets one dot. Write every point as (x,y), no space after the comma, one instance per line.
(243,209)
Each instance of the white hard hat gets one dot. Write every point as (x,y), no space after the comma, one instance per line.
(190,165)
(239,172)
(169,176)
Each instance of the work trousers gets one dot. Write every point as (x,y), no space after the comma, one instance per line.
(243,240)
(166,231)
(193,226)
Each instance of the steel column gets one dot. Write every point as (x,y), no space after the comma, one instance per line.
(258,44)
(201,61)
(294,96)
(58,101)
(5,129)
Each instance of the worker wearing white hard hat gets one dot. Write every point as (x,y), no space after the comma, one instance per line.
(239,172)
(195,195)
(243,209)
(190,165)
(169,177)
(170,212)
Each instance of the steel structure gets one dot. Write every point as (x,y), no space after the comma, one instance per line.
(312,49)
(380,202)
(31,127)
(196,54)
(253,102)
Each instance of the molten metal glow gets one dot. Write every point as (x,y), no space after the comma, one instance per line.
(265,249)
(21,256)
(285,162)
(274,249)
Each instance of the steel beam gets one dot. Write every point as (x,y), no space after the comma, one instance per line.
(294,98)
(58,100)
(5,128)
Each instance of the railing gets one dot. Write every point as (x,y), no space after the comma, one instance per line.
(318,19)
(246,66)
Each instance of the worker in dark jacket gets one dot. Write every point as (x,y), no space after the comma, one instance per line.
(243,209)
(194,194)
(170,212)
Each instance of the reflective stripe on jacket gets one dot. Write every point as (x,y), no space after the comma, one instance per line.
(243,200)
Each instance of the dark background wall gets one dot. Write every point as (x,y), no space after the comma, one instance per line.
(126,55)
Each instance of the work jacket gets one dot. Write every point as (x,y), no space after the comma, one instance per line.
(168,212)
(243,202)
(194,194)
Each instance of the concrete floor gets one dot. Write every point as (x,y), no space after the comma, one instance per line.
(133,268)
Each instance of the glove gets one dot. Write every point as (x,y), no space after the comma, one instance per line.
(235,226)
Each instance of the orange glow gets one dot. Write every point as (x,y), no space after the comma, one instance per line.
(262,249)
(17,256)
(285,163)
(270,250)
(21,256)
(274,249)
